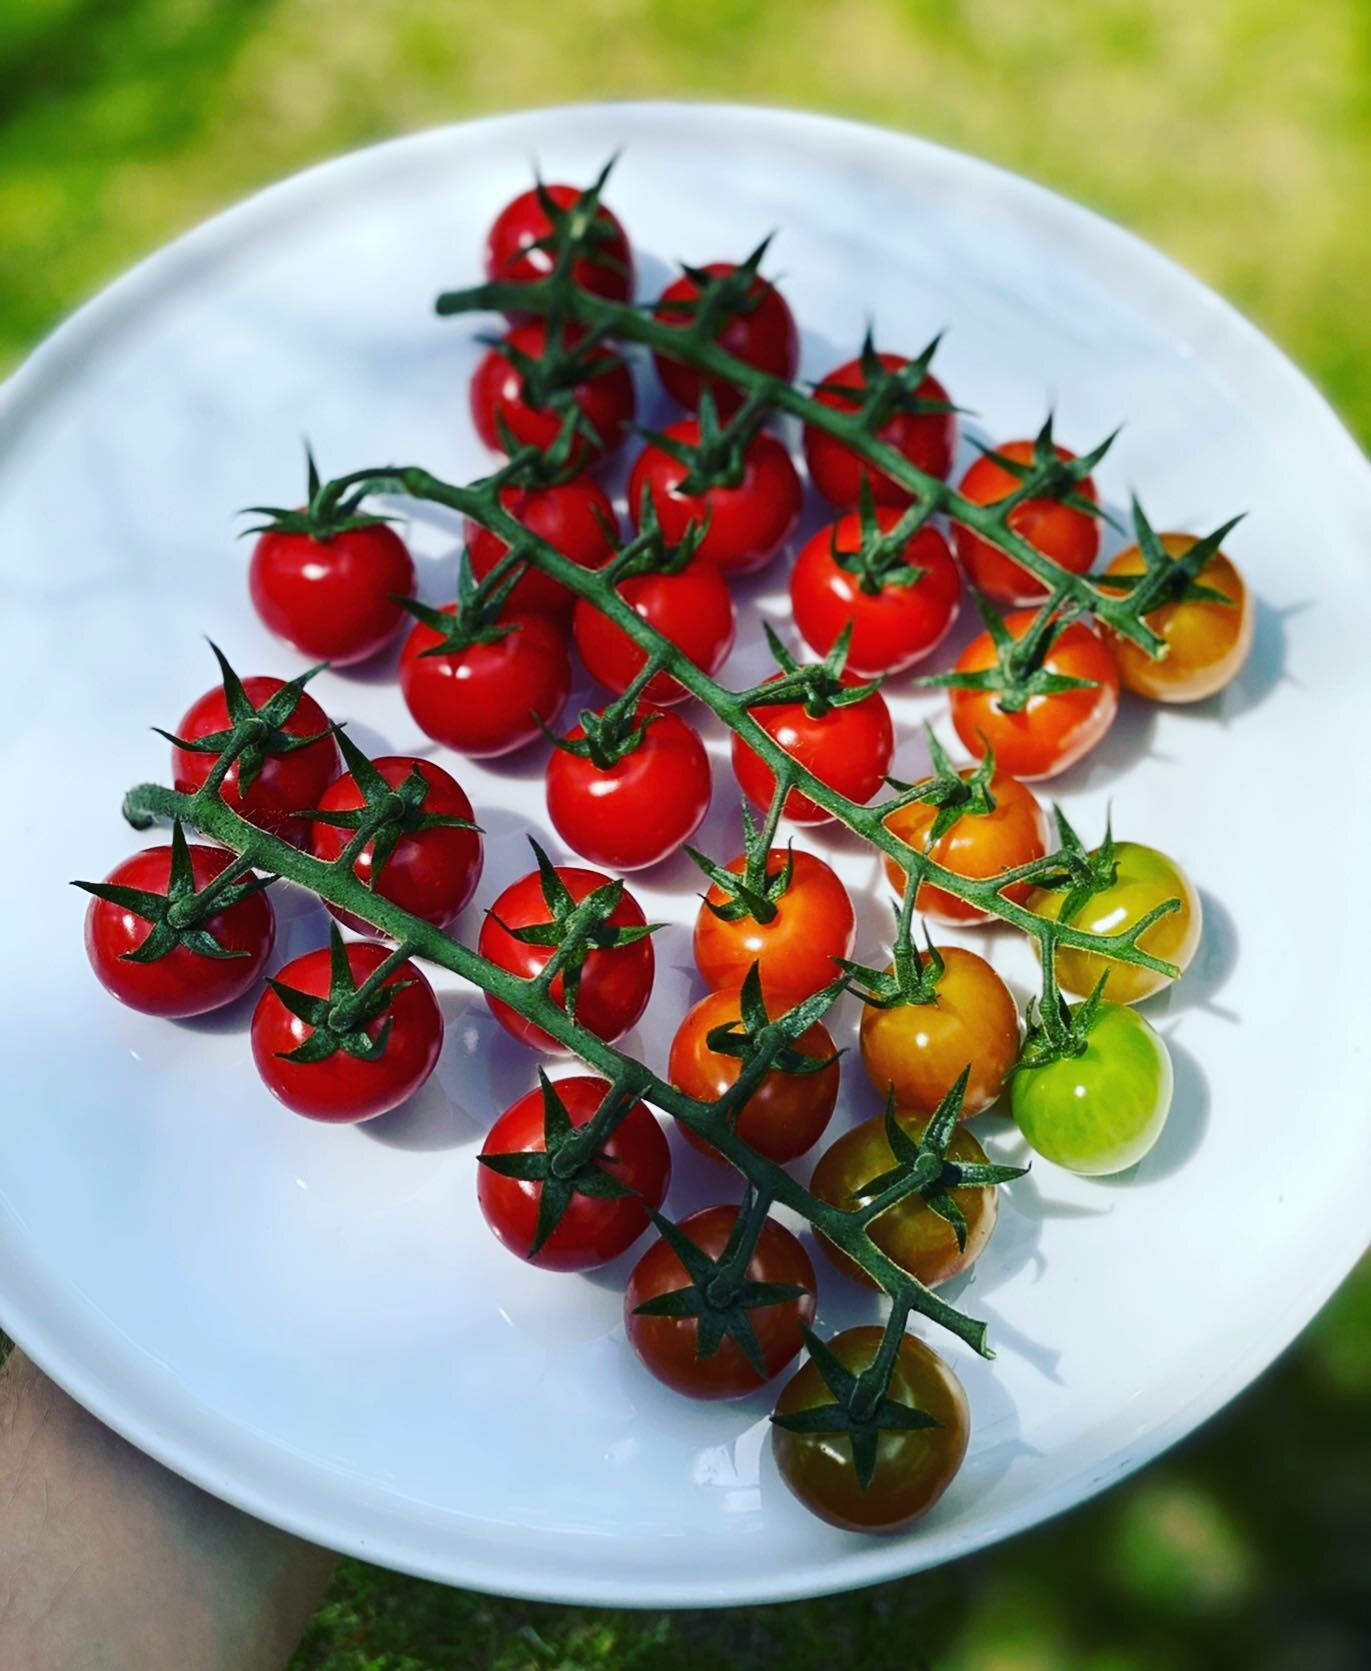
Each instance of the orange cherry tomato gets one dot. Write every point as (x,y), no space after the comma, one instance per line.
(795,951)
(1068,536)
(1206,642)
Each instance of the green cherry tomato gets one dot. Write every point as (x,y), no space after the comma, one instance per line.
(1143,879)
(1101,1111)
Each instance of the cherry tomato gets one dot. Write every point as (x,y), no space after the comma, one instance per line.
(1207,642)
(344,1087)
(795,951)
(1069,537)
(927,439)
(431,873)
(980,844)
(182,981)
(669,1346)
(332,599)
(575,517)
(593,1228)
(914,1236)
(638,811)
(745,523)
(764,336)
(286,783)
(519,250)
(487,699)
(1101,1111)
(893,626)
(691,608)
(918,1050)
(786,1114)
(604,396)
(615,980)
(1051,732)
(914,1466)
(1143,879)
(848,748)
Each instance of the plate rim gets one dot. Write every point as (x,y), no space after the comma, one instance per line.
(114,1400)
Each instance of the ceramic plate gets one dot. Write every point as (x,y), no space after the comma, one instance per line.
(315,1323)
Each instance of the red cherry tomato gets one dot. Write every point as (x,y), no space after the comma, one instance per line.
(518,252)
(183,981)
(487,699)
(764,336)
(604,396)
(332,599)
(1051,732)
(795,951)
(692,609)
(745,524)
(927,439)
(285,785)
(669,1346)
(342,1087)
(639,810)
(1069,537)
(892,627)
(575,517)
(593,1228)
(849,749)
(615,980)
(431,873)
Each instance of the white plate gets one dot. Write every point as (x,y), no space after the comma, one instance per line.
(315,1323)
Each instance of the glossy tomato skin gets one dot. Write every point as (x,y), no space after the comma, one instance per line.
(1069,537)
(1207,643)
(1102,1111)
(913,1235)
(764,337)
(615,981)
(692,609)
(594,1229)
(927,439)
(287,783)
(918,1050)
(913,1466)
(787,1113)
(513,255)
(429,873)
(639,811)
(745,525)
(1144,878)
(892,628)
(848,748)
(497,397)
(576,517)
(795,952)
(332,600)
(183,983)
(342,1089)
(667,1345)
(1014,832)
(1051,732)
(486,700)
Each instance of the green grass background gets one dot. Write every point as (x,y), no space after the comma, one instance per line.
(1236,134)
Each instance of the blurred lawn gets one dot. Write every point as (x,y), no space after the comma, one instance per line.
(1236,134)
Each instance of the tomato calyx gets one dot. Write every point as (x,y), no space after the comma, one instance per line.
(340,1020)
(549,380)
(755,890)
(818,686)
(886,390)
(861,1409)
(388,811)
(475,616)
(254,733)
(330,509)
(955,797)
(614,732)
(179,917)
(574,929)
(1081,874)
(648,552)
(576,229)
(756,1040)
(719,298)
(719,457)
(1047,475)
(571,1161)
(718,1294)
(1167,579)
(1019,673)
(878,559)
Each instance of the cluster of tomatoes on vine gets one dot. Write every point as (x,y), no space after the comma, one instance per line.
(576,1171)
